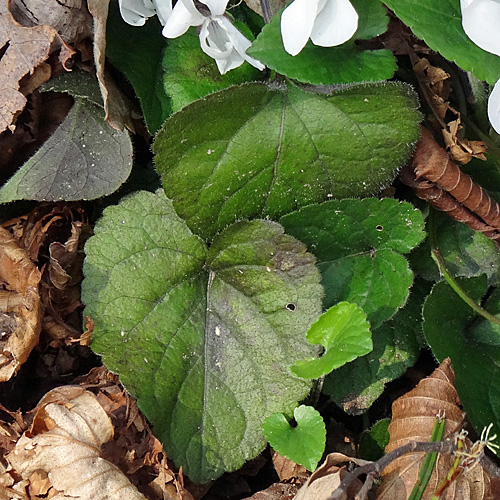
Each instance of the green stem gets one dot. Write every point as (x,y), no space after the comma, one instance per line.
(438,258)
(425,472)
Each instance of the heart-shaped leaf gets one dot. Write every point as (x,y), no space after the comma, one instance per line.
(303,444)
(256,151)
(203,338)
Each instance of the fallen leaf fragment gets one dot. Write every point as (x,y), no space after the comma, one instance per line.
(117,107)
(413,417)
(65,440)
(20,307)
(26,49)
(327,478)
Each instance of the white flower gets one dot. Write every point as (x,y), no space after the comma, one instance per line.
(135,12)
(218,37)
(481,23)
(326,22)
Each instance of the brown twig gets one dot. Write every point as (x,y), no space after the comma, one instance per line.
(446,447)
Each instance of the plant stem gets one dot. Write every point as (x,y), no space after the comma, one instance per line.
(266,11)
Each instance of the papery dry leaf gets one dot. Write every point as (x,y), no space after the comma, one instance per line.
(327,478)
(287,469)
(65,440)
(413,418)
(70,18)
(274,6)
(277,491)
(116,105)
(20,307)
(25,50)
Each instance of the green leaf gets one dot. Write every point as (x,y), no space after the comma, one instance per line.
(454,330)
(345,334)
(203,338)
(439,24)
(358,245)
(396,346)
(303,444)
(256,151)
(346,63)
(137,52)
(373,441)
(83,159)
(466,252)
(191,74)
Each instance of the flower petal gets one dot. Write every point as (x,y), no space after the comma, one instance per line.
(481,23)
(163,10)
(214,40)
(494,107)
(217,7)
(335,23)
(297,23)
(184,15)
(241,43)
(135,12)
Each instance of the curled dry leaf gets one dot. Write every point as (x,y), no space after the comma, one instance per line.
(413,418)
(23,58)
(64,442)
(438,180)
(327,478)
(20,307)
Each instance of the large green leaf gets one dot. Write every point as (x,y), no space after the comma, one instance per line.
(454,330)
(138,53)
(439,24)
(83,159)
(190,74)
(358,244)
(255,151)
(346,63)
(203,339)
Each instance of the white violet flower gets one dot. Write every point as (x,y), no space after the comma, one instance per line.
(481,23)
(135,12)
(218,37)
(326,22)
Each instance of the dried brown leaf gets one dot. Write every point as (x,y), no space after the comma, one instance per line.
(327,478)
(65,441)
(287,469)
(70,18)
(413,418)
(117,107)
(20,307)
(274,6)
(26,50)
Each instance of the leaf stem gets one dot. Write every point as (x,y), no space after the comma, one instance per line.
(439,260)
(459,290)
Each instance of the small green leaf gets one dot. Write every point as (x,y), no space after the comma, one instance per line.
(303,444)
(346,63)
(83,159)
(221,161)
(396,346)
(345,334)
(204,339)
(190,74)
(358,245)
(454,330)
(137,52)
(439,24)
(373,441)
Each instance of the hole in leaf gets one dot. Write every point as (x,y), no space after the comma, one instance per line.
(379,228)
(291,307)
